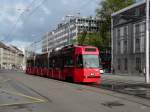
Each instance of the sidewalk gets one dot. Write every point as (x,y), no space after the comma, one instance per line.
(110,78)
(131,85)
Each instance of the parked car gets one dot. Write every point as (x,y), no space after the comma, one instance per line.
(101,70)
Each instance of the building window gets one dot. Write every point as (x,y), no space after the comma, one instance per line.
(118,33)
(138,64)
(137,45)
(119,64)
(125,31)
(137,29)
(139,37)
(122,46)
(122,36)
(125,46)
(125,64)
(142,10)
(118,48)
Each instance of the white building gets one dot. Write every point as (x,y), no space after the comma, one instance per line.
(10,56)
(68,31)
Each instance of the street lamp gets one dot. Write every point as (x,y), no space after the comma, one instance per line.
(147,42)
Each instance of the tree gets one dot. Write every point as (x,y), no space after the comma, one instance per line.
(89,39)
(104,11)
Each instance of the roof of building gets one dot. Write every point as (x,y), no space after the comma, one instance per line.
(2,45)
(129,7)
(10,48)
(15,48)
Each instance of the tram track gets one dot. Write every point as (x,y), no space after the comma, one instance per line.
(132,88)
(78,87)
(135,88)
(82,87)
(121,86)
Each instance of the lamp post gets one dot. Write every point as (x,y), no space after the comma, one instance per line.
(147,42)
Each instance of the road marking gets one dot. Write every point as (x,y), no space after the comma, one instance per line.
(24,103)
(35,100)
(5,81)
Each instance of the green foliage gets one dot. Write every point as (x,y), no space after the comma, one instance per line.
(102,38)
(104,11)
(89,39)
(107,7)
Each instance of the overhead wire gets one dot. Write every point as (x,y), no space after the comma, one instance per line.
(37,7)
(82,6)
(14,25)
(33,11)
(28,7)
(17,20)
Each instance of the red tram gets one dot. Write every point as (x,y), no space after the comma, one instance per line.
(73,62)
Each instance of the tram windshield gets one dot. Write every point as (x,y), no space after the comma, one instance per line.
(88,61)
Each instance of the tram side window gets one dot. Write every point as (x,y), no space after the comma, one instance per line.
(68,61)
(41,63)
(50,63)
(45,63)
(60,62)
(37,63)
(80,61)
(56,63)
(31,63)
(28,64)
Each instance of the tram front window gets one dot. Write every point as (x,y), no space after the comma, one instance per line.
(88,61)
(91,61)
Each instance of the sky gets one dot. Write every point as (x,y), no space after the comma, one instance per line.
(25,21)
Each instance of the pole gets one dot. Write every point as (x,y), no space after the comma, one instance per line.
(112,67)
(69,33)
(147,42)
(47,41)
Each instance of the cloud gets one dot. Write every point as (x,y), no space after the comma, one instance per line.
(10,11)
(65,2)
(46,10)
(2,37)
(43,19)
(19,44)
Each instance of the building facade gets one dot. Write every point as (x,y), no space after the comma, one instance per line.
(128,40)
(66,32)
(10,57)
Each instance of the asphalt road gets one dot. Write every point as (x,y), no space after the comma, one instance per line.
(20,92)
